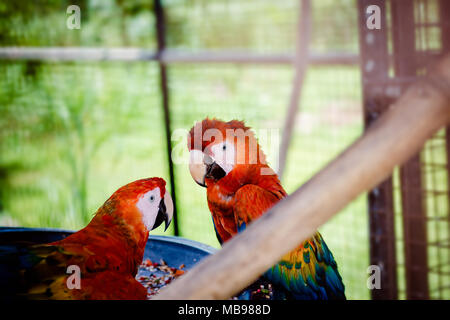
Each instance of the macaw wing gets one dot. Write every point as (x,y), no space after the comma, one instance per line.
(40,271)
(106,285)
(251,202)
(309,272)
(219,238)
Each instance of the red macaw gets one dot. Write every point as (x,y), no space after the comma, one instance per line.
(226,159)
(108,251)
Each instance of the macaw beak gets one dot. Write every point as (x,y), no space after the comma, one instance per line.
(165,212)
(213,170)
(204,167)
(197,167)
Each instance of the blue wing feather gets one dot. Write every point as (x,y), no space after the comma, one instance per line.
(217,233)
(308,273)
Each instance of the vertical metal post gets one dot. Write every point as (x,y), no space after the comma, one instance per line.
(375,68)
(444,10)
(414,215)
(161,36)
(300,64)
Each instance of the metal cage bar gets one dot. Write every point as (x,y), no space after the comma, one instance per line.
(168,56)
(414,215)
(301,65)
(444,18)
(375,71)
(445,38)
(161,40)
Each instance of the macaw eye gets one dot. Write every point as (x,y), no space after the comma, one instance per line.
(152,198)
(224,147)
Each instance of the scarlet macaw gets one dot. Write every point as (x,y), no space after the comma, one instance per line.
(108,251)
(226,159)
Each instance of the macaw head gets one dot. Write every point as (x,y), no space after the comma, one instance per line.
(143,201)
(218,148)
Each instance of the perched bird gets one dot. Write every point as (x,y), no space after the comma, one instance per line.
(226,158)
(107,252)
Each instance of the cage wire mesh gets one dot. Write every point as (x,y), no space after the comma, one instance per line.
(330,112)
(436,191)
(431,24)
(74,132)
(430,20)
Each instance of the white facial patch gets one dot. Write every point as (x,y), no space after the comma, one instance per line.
(148,205)
(224,154)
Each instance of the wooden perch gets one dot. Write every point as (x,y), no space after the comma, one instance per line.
(392,140)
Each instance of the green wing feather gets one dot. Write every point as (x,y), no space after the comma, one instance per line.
(309,271)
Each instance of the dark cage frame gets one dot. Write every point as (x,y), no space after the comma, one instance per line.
(405,237)
(392,58)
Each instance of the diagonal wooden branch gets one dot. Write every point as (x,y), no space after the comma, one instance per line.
(392,140)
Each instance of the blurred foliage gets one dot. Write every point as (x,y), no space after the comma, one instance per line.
(103,23)
(259,25)
(54,126)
